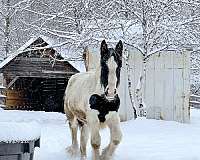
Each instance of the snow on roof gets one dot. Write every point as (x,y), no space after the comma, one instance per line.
(20,50)
(27,44)
(2,87)
(13,132)
(2,96)
(79,65)
(8,59)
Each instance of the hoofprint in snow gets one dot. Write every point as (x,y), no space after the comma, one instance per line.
(143,139)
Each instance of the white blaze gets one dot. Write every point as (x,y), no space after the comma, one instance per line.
(112,79)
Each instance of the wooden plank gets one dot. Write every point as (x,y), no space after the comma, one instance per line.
(10,157)
(123,93)
(39,75)
(150,89)
(194,96)
(168,74)
(56,72)
(194,102)
(178,95)
(12,82)
(159,89)
(186,86)
(10,148)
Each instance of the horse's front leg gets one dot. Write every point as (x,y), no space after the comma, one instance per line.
(94,125)
(113,122)
(95,142)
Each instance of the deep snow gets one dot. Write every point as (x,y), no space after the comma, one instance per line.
(142,139)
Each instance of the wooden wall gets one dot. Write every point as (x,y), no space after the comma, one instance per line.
(37,67)
(167,88)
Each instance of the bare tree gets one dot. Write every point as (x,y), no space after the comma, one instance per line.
(9,15)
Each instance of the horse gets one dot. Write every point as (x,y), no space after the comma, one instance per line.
(91,102)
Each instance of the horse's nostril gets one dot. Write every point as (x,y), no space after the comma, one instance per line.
(106,93)
(115,91)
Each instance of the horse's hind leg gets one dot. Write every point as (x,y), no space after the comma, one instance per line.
(73,125)
(116,136)
(83,140)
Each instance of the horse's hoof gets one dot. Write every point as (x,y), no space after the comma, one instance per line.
(106,158)
(105,155)
(83,158)
(96,157)
(72,150)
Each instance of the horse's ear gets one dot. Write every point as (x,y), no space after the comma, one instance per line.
(119,48)
(104,48)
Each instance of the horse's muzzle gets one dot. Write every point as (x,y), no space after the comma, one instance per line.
(110,95)
(110,98)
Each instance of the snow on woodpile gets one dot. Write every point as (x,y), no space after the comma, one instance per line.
(13,132)
(30,116)
(23,126)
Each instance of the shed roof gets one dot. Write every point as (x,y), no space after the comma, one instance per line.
(79,65)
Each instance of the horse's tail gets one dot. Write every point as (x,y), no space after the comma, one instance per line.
(66,94)
(67,108)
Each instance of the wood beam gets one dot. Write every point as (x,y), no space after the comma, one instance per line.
(12,82)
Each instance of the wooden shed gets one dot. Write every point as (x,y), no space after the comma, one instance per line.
(32,80)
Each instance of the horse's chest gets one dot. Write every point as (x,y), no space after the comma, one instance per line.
(104,106)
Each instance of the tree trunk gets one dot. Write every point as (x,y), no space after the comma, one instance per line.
(7,28)
(142,79)
(130,84)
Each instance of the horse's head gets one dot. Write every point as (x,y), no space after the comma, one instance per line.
(111,63)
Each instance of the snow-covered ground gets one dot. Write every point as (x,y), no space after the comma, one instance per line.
(142,139)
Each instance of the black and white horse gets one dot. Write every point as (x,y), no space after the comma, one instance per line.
(92,102)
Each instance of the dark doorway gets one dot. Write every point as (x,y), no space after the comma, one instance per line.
(40,94)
